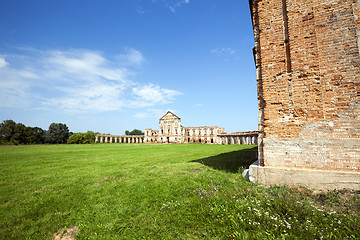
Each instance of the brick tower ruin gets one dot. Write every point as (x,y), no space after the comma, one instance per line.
(308,74)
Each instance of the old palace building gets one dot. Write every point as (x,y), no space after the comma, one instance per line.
(171,131)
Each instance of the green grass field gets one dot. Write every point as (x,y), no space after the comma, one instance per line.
(188,191)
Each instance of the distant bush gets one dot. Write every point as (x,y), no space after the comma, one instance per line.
(82,138)
(134,132)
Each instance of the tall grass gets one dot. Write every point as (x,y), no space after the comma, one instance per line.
(188,191)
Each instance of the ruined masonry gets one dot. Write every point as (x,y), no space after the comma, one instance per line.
(307,65)
(171,131)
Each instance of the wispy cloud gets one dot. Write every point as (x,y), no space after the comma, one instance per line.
(132,57)
(76,80)
(199,105)
(151,113)
(227,54)
(173,5)
(3,63)
(223,51)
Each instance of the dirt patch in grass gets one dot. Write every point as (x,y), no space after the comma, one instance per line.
(106,180)
(195,170)
(66,234)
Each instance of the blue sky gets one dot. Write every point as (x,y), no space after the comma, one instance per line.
(116,65)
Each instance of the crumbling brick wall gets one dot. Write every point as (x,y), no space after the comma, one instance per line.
(307,60)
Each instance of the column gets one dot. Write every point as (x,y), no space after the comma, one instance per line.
(101,139)
(226,141)
(111,139)
(238,140)
(232,140)
(106,138)
(96,139)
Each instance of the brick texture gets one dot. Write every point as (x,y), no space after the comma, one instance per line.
(309,100)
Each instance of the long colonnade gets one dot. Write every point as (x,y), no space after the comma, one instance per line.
(240,138)
(119,138)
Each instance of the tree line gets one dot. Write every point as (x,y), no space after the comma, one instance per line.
(12,133)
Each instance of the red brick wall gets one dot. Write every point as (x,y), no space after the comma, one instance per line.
(310,115)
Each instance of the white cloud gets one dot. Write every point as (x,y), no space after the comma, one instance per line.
(135,56)
(13,85)
(93,98)
(151,94)
(131,57)
(3,63)
(172,5)
(223,51)
(152,113)
(199,105)
(76,80)
(228,54)
(13,93)
(142,115)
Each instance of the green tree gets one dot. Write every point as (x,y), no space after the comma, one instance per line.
(12,132)
(134,132)
(58,133)
(7,129)
(34,135)
(18,136)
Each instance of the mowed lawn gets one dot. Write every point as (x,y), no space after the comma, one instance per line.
(141,191)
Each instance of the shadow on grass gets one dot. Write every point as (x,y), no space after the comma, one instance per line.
(231,161)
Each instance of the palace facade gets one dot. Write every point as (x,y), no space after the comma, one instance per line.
(171,131)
